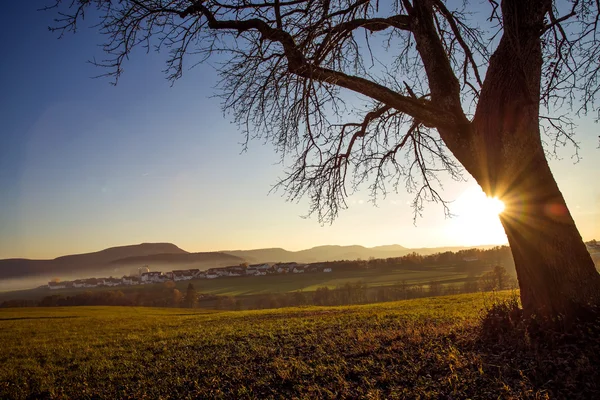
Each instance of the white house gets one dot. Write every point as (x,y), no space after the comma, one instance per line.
(189,274)
(235,271)
(130,280)
(217,271)
(88,283)
(259,267)
(113,282)
(185,275)
(151,277)
(285,267)
(328,269)
(79,283)
(180,275)
(57,285)
(298,269)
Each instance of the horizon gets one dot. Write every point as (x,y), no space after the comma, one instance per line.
(86,166)
(257,249)
(302,199)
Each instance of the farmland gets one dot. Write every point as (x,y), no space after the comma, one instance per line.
(426,348)
(242,286)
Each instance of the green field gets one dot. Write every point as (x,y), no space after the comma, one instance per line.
(308,282)
(427,348)
(252,285)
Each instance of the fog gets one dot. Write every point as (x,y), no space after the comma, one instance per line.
(32,282)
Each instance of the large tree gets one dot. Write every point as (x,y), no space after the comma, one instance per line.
(366,92)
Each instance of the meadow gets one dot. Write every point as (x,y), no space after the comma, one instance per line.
(285,283)
(425,348)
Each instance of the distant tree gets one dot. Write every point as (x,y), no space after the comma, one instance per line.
(269,300)
(298,298)
(322,296)
(51,301)
(487,281)
(225,303)
(237,305)
(18,303)
(435,288)
(415,291)
(496,279)
(451,289)
(502,277)
(177,297)
(353,293)
(381,295)
(191,296)
(433,85)
(470,286)
(169,285)
(401,289)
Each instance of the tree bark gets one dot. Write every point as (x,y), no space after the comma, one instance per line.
(555,271)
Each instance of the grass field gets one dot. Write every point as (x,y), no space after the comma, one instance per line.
(309,282)
(426,348)
(241,286)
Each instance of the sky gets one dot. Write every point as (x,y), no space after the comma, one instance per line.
(85,165)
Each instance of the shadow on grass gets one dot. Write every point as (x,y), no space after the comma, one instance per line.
(540,359)
(25,318)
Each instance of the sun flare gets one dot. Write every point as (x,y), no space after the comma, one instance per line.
(495,205)
(476,219)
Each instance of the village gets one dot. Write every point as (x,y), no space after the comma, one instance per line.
(145,276)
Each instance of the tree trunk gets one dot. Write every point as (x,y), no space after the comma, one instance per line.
(555,271)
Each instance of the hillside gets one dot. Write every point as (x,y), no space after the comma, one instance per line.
(334,253)
(166,256)
(286,283)
(207,259)
(427,349)
(78,263)
(319,254)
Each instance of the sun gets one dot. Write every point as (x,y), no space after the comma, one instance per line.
(476,219)
(494,205)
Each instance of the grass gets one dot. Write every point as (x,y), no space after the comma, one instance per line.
(310,282)
(425,348)
(242,286)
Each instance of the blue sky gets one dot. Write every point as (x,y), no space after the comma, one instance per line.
(85,165)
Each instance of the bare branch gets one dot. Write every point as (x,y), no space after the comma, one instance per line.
(351,92)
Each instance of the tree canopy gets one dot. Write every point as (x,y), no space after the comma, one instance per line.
(349,91)
(394,95)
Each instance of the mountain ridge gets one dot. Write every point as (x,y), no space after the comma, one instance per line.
(338,252)
(122,259)
(78,263)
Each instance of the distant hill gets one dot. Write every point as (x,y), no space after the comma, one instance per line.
(315,254)
(207,259)
(15,268)
(334,253)
(124,260)
(432,250)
